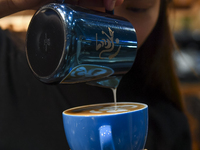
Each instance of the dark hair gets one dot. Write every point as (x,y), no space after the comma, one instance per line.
(153,74)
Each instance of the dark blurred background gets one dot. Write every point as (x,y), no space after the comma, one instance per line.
(185,23)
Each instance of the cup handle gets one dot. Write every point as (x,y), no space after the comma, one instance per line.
(106,140)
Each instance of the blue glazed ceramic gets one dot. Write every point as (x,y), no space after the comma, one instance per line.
(122,131)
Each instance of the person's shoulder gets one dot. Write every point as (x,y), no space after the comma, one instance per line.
(2,37)
(12,55)
(168,124)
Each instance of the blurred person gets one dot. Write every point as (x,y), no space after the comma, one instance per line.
(31,112)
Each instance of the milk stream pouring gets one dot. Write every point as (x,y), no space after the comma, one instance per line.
(68,44)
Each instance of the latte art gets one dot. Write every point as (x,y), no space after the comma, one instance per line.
(113,109)
(105,109)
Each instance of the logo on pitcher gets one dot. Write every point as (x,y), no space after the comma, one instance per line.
(107,44)
(87,72)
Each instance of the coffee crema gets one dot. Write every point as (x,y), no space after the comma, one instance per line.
(104,109)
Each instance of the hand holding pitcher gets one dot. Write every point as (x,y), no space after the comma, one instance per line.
(8,7)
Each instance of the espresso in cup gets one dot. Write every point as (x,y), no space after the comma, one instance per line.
(104,109)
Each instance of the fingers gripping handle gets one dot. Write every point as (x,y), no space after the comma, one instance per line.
(106,141)
(107,11)
(60,1)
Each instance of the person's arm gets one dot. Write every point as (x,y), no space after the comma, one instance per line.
(8,7)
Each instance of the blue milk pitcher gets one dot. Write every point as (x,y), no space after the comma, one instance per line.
(68,44)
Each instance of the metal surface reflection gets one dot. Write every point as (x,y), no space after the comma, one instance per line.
(70,44)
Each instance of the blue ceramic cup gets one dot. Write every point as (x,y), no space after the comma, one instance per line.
(107,126)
